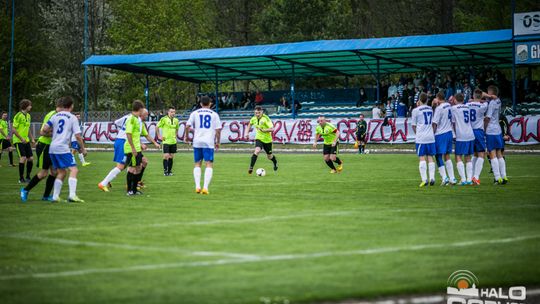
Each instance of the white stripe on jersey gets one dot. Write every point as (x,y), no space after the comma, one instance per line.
(121,126)
(422,117)
(462,119)
(493,112)
(443,118)
(478,112)
(204,122)
(64,125)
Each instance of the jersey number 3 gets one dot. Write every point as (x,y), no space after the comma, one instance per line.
(61,123)
(205,121)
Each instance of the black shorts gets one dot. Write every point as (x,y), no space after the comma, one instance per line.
(329,149)
(362,138)
(24,150)
(171,149)
(133,161)
(43,158)
(267,147)
(4,144)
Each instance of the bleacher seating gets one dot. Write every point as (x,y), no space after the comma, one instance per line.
(529,108)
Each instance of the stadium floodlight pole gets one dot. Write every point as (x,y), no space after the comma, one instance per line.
(513,60)
(217,91)
(11,60)
(378,80)
(269,85)
(147,94)
(85,55)
(292,94)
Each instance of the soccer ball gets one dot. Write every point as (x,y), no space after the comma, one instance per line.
(261,172)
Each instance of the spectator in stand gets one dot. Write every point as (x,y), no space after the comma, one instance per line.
(259,98)
(467,92)
(400,89)
(298,106)
(401,110)
(449,92)
(416,95)
(361,98)
(392,89)
(388,111)
(284,106)
(247,102)
(224,99)
(376,113)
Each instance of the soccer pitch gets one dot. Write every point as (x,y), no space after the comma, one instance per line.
(302,235)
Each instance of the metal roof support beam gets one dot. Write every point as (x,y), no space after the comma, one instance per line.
(473,53)
(213,65)
(390,60)
(217,91)
(312,67)
(145,71)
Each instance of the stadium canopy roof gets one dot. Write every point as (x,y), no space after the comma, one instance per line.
(321,58)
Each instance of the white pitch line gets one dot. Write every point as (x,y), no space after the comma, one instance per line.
(256,219)
(284,257)
(130,247)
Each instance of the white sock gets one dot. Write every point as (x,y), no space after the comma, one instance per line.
(474,160)
(57,188)
(422,167)
(461,171)
(478,167)
(197,177)
(502,167)
(469,167)
(431,169)
(495,167)
(81,158)
(72,182)
(442,172)
(112,175)
(450,169)
(208,172)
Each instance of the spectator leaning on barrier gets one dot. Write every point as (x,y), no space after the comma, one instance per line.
(284,106)
(361,98)
(376,113)
(259,98)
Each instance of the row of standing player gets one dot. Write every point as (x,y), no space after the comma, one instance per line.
(476,128)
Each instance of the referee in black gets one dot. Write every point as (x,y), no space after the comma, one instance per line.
(361,130)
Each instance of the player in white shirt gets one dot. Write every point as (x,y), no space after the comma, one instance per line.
(75,145)
(461,120)
(118,157)
(478,110)
(376,112)
(444,138)
(207,134)
(62,126)
(494,137)
(422,117)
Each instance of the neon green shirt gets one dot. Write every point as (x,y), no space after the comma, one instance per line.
(169,127)
(136,128)
(264,123)
(4,127)
(21,123)
(328,133)
(46,139)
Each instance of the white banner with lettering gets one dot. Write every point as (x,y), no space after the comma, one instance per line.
(523,130)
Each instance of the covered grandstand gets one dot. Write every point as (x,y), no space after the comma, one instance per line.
(345,58)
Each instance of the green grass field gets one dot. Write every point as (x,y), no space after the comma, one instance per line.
(302,235)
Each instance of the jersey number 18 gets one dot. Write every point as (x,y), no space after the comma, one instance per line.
(205,121)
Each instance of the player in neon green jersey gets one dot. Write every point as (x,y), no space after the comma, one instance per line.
(169,125)
(5,140)
(133,148)
(44,164)
(23,139)
(330,135)
(263,137)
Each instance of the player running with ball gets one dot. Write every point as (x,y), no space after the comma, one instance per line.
(330,134)
(207,135)
(263,137)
